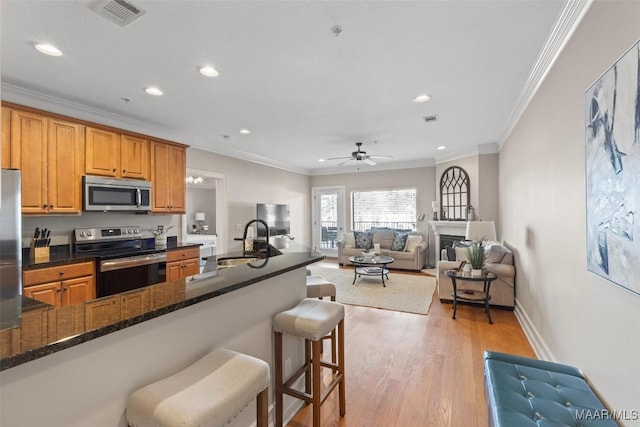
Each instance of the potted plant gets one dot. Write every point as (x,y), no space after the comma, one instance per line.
(476,256)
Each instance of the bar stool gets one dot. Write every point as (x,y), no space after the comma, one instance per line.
(319,287)
(311,319)
(210,392)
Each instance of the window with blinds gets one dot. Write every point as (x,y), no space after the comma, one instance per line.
(383,208)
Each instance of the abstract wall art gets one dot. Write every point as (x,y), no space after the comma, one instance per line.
(612,156)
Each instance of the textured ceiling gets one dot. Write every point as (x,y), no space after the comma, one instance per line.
(304,92)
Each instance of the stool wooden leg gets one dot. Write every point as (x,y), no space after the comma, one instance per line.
(341,385)
(333,346)
(317,382)
(278,380)
(307,361)
(262,410)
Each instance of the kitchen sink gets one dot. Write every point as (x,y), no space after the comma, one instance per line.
(232,262)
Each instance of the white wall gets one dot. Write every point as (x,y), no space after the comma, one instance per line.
(573,316)
(423,179)
(251,183)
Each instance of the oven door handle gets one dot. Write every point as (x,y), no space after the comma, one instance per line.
(134,261)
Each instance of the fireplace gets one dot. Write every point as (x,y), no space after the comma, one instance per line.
(447,232)
(446,243)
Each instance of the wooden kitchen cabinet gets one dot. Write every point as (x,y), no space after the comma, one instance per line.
(48,153)
(183,263)
(6,138)
(61,286)
(168,173)
(116,155)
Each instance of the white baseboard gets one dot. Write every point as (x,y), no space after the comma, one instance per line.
(539,346)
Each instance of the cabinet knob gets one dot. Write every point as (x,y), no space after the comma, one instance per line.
(113,170)
(61,273)
(59,290)
(52,206)
(44,206)
(124,171)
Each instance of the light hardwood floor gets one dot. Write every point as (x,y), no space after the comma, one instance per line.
(407,369)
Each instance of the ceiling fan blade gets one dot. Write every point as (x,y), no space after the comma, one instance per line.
(369,161)
(381,157)
(342,163)
(340,158)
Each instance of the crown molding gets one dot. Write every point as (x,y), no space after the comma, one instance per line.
(562,30)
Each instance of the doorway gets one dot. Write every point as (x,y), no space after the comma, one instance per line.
(328,219)
(212,188)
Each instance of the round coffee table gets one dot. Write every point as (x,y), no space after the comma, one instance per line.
(376,266)
(469,294)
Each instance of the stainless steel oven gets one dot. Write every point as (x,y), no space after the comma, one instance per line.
(102,194)
(124,261)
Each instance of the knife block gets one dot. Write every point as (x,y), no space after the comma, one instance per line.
(39,254)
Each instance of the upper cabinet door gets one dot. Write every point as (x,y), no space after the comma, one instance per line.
(64,171)
(102,152)
(168,177)
(134,157)
(6,138)
(29,154)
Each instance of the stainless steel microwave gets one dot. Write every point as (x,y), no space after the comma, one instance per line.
(104,194)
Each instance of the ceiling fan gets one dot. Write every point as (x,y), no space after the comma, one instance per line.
(360,156)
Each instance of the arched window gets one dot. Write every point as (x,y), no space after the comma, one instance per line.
(455,194)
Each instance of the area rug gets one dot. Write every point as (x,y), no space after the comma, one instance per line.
(410,293)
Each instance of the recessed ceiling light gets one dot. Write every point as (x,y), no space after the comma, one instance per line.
(321,160)
(48,49)
(245,131)
(153,91)
(422,98)
(209,71)
(442,147)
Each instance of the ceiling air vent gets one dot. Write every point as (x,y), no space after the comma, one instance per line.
(119,11)
(428,119)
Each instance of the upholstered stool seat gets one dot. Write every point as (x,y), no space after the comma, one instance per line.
(210,392)
(312,320)
(319,287)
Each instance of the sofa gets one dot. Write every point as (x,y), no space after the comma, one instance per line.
(528,392)
(499,261)
(407,248)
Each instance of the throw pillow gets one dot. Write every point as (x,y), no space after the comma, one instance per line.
(494,253)
(363,239)
(349,241)
(460,249)
(412,243)
(399,241)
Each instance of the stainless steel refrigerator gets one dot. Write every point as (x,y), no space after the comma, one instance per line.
(10,250)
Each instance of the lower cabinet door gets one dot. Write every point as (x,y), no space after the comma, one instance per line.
(48,293)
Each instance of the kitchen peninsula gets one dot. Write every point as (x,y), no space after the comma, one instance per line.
(85,379)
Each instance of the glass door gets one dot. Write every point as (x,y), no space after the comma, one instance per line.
(328,219)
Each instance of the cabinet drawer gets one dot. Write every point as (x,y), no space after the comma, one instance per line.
(61,272)
(182,254)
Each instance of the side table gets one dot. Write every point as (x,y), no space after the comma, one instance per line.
(469,294)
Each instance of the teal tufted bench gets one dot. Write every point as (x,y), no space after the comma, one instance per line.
(527,392)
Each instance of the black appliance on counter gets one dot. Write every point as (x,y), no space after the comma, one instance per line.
(124,261)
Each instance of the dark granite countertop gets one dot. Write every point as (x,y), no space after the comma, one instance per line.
(193,289)
(62,254)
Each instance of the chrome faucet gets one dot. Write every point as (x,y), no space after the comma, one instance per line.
(246,228)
